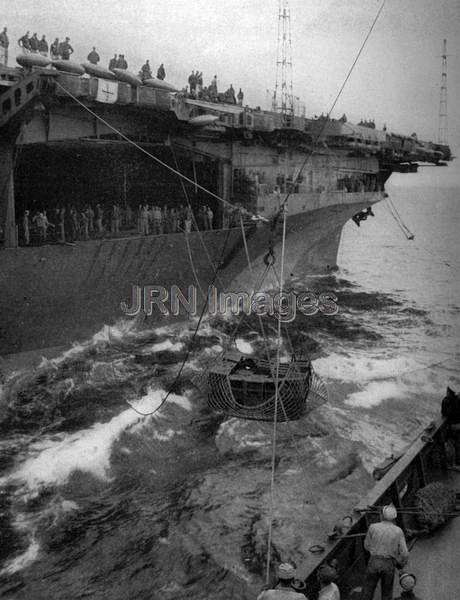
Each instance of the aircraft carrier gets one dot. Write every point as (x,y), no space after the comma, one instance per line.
(76,139)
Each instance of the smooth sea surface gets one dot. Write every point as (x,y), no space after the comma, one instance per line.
(98,501)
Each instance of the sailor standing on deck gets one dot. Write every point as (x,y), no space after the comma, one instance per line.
(4,43)
(43,46)
(115,219)
(146,71)
(192,83)
(65,49)
(99,217)
(283,589)
(145,220)
(61,225)
(387,546)
(24,43)
(327,576)
(90,212)
(34,43)
(161,73)
(26,227)
(74,228)
(54,49)
(41,220)
(210,217)
(84,221)
(113,62)
(93,57)
(121,62)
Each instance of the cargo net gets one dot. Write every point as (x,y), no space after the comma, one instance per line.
(298,394)
(435,504)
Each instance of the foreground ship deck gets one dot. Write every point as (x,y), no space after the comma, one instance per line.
(433,557)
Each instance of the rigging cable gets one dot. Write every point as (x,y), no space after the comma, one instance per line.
(184,189)
(410,236)
(291,434)
(397,217)
(189,351)
(307,158)
(273,462)
(152,156)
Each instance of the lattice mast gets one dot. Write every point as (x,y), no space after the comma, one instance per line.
(283,98)
(442,131)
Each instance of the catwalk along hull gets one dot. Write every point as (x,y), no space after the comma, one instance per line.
(54,295)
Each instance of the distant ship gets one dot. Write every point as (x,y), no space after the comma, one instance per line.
(64,141)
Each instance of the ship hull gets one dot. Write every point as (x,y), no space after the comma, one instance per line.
(57,294)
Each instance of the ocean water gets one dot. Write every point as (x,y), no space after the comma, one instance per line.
(99,501)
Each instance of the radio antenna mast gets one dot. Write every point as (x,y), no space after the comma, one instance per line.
(442,131)
(283,98)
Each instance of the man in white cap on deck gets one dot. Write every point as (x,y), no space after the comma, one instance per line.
(387,546)
(407,581)
(327,576)
(283,589)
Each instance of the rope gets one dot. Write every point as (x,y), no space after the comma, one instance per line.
(307,158)
(251,271)
(192,264)
(410,236)
(273,463)
(189,351)
(294,441)
(155,158)
(451,264)
(397,217)
(184,189)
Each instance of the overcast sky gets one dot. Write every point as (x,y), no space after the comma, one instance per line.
(396,80)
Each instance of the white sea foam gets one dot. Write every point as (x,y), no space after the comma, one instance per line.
(167,435)
(212,350)
(376,392)
(69,505)
(107,333)
(359,368)
(181,401)
(167,345)
(21,561)
(232,434)
(52,461)
(244,346)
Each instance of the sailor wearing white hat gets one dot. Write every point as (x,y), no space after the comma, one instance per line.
(407,582)
(387,546)
(283,589)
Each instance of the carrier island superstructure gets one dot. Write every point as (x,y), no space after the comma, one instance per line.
(66,139)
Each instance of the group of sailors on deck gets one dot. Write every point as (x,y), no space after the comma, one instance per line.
(158,220)
(388,551)
(146,71)
(92,222)
(58,49)
(63,50)
(195,89)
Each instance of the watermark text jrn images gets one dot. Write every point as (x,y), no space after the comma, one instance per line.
(175,301)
